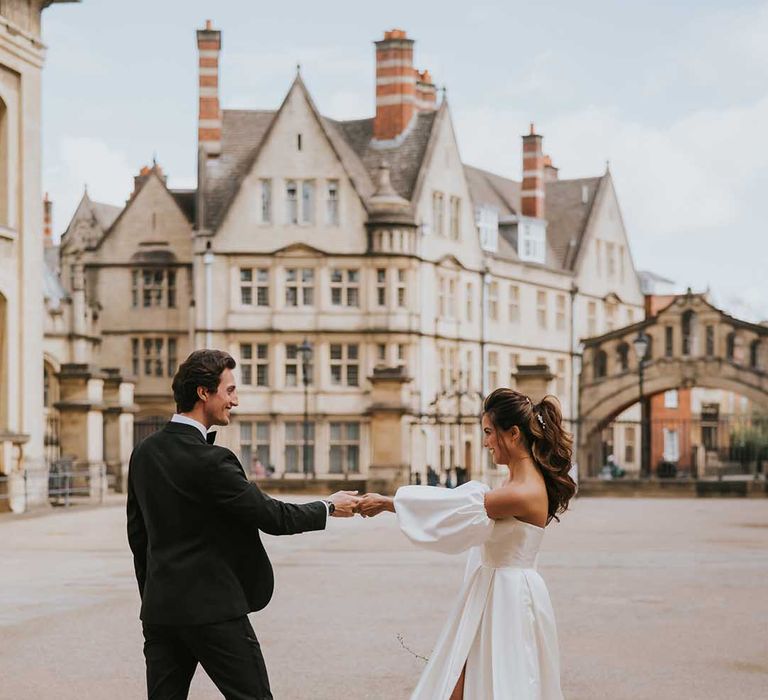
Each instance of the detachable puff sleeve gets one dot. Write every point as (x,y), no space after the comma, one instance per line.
(445,520)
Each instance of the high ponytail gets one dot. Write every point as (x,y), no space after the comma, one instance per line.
(551,446)
(552,449)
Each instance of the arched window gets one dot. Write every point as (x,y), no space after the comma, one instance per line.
(754,354)
(600,364)
(622,356)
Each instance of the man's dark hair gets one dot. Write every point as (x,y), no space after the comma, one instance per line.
(201,368)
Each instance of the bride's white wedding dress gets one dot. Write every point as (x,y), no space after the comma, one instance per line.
(502,624)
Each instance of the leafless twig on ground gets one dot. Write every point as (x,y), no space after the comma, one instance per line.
(409,650)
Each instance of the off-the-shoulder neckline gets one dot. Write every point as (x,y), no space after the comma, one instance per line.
(522,522)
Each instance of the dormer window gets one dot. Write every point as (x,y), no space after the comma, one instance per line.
(532,240)
(487,220)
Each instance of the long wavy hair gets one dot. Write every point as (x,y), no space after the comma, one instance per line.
(550,445)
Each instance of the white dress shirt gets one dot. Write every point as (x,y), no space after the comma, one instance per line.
(178,418)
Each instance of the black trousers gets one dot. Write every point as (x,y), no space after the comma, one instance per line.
(228,651)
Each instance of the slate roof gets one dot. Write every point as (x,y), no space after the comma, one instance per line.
(186,199)
(565,209)
(242,133)
(404,160)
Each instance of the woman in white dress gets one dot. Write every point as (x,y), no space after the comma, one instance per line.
(500,641)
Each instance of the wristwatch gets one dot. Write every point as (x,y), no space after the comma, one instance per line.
(331,507)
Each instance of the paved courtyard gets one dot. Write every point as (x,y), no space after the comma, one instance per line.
(655,599)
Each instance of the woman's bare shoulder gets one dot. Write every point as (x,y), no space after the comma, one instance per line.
(514,499)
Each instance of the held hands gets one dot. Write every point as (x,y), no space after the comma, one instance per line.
(345,504)
(371,504)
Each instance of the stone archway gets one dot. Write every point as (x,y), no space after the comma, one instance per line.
(691,344)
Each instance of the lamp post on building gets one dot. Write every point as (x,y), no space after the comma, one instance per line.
(641,343)
(305,351)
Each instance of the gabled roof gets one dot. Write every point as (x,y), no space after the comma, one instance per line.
(566,209)
(96,217)
(244,133)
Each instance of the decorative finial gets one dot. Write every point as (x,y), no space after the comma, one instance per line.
(298,69)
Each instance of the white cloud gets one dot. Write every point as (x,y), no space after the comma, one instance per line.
(82,161)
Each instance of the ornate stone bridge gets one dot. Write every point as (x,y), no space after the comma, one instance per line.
(690,343)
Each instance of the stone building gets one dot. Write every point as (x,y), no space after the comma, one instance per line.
(405,282)
(22,54)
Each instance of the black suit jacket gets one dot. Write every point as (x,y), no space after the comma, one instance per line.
(193,527)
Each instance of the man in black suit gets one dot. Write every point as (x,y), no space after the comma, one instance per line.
(193,527)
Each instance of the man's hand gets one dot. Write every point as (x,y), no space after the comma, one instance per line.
(374,503)
(345,503)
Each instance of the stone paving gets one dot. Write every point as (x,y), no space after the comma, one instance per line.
(655,599)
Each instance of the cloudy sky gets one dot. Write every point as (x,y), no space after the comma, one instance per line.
(673,95)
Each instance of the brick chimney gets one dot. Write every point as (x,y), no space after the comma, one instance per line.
(550,171)
(47,221)
(426,92)
(532,194)
(209,119)
(395,85)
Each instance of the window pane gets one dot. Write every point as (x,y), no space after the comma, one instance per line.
(246,374)
(336,374)
(261,375)
(353,431)
(262,432)
(335,351)
(335,462)
(352,352)
(353,458)
(335,432)
(245,432)
(261,351)
(352,375)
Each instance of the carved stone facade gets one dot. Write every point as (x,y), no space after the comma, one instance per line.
(22,427)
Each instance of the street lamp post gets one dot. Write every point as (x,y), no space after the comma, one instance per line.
(641,343)
(305,351)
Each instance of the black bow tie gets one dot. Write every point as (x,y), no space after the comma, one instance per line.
(210,438)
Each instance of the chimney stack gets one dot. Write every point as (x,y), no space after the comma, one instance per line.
(532,194)
(395,85)
(47,221)
(550,171)
(426,92)
(209,119)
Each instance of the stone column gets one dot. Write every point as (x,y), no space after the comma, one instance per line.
(533,380)
(82,426)
(118,427)
(391,418)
